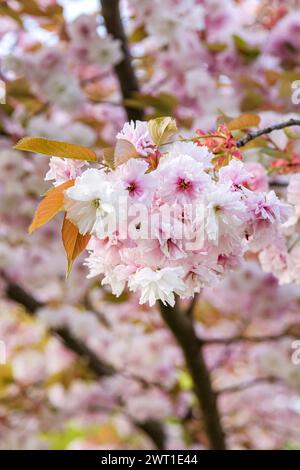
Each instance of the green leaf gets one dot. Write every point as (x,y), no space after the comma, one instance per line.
(163,103)
(185,381)
(291,446)
(61,439)
(286,80)
(291,134)
(258,142)
(251,101)
(245,49)
(19,89)
(216,46)
(138,34)
(274,153)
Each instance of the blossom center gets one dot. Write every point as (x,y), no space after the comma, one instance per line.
(184,185)
(84,30)
(97,203)
(133,188)
(104,53)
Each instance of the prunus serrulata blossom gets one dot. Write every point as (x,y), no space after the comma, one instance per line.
(198,223)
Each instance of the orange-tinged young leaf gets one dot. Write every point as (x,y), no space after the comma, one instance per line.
(50,205)
(73,241)
(272,76)
(55,148)
(243,121)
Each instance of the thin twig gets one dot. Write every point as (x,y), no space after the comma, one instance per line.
(294,243)
(249,384)
(267,130)
(247,339)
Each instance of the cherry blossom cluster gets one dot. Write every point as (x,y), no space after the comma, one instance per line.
(170,227)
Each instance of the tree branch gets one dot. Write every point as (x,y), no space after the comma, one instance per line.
(19,295)
(124,69)
(248,339)
(249,384)
(154,429)
(267,130)
(190,310)
(182,328)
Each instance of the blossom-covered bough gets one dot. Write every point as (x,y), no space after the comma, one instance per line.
(162,218)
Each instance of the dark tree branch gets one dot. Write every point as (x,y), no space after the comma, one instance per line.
(249,384)
(249,339)
(190,309)
(278,184)
(19,295)
(124,69)
(183,329)
(154,429)
(99,367)
(267,130)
